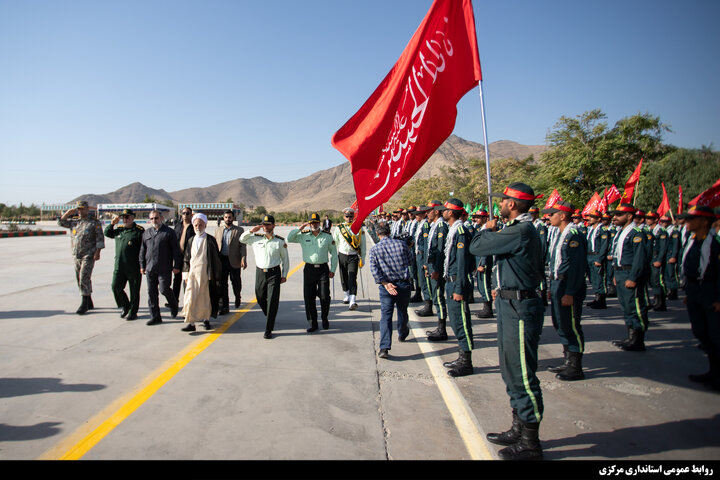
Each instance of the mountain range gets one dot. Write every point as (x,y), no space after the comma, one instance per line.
(303,194)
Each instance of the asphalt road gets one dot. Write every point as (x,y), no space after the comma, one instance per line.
(98,387)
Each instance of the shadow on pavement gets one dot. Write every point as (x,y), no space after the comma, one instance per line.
(17,387)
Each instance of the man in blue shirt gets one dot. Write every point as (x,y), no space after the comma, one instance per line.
(389,263)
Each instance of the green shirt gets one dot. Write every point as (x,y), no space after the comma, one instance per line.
(269,252)
(316,250)
(127,245)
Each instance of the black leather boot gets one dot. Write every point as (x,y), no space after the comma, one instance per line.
(440,333)
(672,294)
(611,291)
(485,311)
(636,343)
(619,343)
(455,362)
(90,303)
(562,366)
(659,305)
(594,301)
(417,296)
(509,437)
(599,301)
(574,369)
(528,447)
(83,308)
(464,367)
(426,311)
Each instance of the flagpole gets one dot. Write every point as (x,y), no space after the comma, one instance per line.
(487,150)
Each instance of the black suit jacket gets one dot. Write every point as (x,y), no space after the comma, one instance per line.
(160,251)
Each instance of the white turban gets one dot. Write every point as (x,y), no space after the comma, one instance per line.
(201,216)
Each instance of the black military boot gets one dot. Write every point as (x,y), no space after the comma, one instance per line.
(455,362)
(509,437)
(574,369)
(672,294)
(486,310)
(562,366)
(464,367)
(636,343)
(83,308)
(599,301)
(90,303)
(527,447)
(659,304)
(417,296)
(439,334)
(594,301)
(426,311)
(611,291)
(619,343)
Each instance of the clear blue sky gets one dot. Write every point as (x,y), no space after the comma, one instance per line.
(95,95)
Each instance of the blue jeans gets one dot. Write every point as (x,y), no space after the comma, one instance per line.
(400,302)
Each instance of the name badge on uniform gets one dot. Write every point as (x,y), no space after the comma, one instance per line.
(637,239)
(574,243)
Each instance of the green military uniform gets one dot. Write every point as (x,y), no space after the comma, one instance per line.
(598,245)
(520,314)
(630,262)
(86,237)
(271,266)
(434,260)
(657,273)
(674,250)
(127,266)
(317,251)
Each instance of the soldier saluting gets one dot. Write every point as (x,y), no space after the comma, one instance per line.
(86,240)
(128,239)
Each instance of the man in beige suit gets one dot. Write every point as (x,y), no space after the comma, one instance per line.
(233,255)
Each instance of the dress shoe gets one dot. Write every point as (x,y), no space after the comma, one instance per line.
(509,437)
(174,311)
(383,353)
(83,308)
(90,303)
(188,328)
(132,316)
(325,324)
(206,324)
(313,327)
(237,302)
(268,335)
(125,311)
(402,338)
(154,321)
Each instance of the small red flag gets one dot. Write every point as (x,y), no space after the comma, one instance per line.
(630,184)
(613,195)
(708,198)
(680,204)
(552,199)
(593,204)
(664,207)
(414,109)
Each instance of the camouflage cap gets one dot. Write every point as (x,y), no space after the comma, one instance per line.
(81,204)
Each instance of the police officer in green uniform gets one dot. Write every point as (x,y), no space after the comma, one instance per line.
(598,245)
(701,268)
(457,268)
(483,268)
(421,252)
(568,260)
(672,258)
(271,268)
(657,265)
(86,240)
(543,232)
(609,275)
(318,248)
(631,269)
(520,314)
(128,239)
(435,259)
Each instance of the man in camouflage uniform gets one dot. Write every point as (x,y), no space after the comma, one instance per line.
(86,239)
(128,239)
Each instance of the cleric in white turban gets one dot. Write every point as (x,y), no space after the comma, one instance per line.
(202,270)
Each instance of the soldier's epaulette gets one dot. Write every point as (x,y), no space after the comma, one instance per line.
(141,228)
(278,236)
(574,230)
(460,229)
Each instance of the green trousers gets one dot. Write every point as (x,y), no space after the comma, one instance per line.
(459,317)
(131,277)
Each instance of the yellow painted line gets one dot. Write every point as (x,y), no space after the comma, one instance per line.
(463,416)
(83,439)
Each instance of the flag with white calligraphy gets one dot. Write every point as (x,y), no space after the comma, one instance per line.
(414,109)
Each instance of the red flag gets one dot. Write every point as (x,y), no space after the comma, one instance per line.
(613,195)
(354,205)
(708,198)
(603,205)
(413,110)
(664,207)
(554,197)
(630,184)
(593,204)
(680,205)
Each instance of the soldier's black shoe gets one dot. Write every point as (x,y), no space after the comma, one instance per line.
(237,302)
(174,311)
(574,369)
(562,366)
(132,316)
(527,447)
(90,303)
(417,296)
(83,308)
(154,321)
(485,311)
(455,362)
(619,343)
(325,324)
(599,302)
(659,304)
(188,328)
(464,367)
(313,326)
(125,311)
(611,291)
(206,324)
(426,311)
(636,343)
(509,437)
(267,335)
(672,294)
(439,334)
